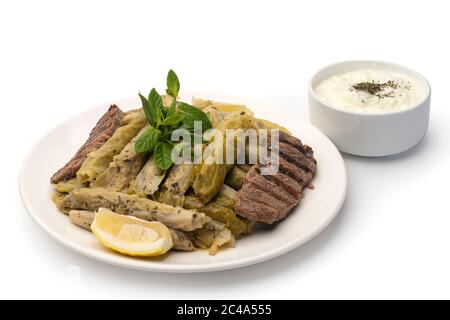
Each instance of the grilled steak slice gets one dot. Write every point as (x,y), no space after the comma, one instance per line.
(289,169)
(281,191)
(254,210)
(296,157)
(286,184)
(102,131)
(269,198)
(296,143)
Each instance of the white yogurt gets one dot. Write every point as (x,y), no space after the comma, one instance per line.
(370,90)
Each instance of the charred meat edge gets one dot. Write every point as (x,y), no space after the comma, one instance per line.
(102,131)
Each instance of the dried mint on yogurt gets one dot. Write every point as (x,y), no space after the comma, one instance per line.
(377,89)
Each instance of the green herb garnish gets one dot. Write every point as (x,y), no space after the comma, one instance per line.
(192,114)
(163,121)
(173,84)
(147,141)
(163,154)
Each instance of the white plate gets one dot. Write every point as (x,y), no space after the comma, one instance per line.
(315,212)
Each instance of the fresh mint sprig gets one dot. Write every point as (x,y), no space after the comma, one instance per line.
(147,141)
(173,84)
(192,114)
(163,121)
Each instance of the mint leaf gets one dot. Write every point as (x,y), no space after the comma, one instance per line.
(192,114)
(173,84)
(156,107)
(147,141)
(173,119)
(172,108)
(163,155)
(148,110)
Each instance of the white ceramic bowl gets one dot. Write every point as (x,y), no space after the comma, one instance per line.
(370,134)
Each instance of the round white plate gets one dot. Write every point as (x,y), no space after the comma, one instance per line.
(315,212)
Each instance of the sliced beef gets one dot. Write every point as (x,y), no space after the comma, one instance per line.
(286,183)
(291,140)
(102,131)
(289,169)
(254,210)
(266,198)
(269,198)
(281,191)
(296,157)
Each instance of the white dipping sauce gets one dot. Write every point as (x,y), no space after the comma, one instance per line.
(370,90)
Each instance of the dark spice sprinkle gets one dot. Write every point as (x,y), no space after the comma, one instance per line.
(376,88)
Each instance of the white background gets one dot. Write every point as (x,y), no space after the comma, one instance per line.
(57,58)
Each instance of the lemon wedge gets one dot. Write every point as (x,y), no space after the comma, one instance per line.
(129,235)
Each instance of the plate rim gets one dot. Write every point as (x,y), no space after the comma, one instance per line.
(169,268)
